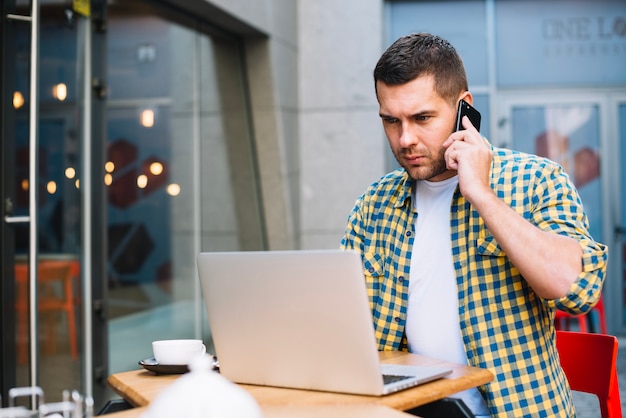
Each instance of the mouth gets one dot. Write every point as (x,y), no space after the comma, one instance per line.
(414,159)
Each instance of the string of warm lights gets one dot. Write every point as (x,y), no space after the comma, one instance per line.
(155,168)
(146,119)
(59,92)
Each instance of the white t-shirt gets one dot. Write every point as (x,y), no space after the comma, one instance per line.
(432,324)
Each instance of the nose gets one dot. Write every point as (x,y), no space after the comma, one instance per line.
(408,136)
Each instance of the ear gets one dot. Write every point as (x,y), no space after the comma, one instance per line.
(467,96)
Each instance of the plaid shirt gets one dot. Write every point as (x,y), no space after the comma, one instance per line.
(505,326)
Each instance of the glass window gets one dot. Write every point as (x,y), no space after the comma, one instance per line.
(57,189)
(560,42)
(180,171)
(569,135)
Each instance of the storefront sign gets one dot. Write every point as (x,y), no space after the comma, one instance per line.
(561,43)
(601,35)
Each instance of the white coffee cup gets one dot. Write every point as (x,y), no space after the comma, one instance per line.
(177,352)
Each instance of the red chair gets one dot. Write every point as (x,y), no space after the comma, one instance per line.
(590,364)
(52,298)
(561,319)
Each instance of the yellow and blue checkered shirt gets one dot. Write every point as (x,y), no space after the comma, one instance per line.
(505,326)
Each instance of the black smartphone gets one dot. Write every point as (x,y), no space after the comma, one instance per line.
(465,109)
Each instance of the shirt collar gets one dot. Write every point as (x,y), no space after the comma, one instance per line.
(404,191)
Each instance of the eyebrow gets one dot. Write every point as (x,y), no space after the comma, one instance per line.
(414,115)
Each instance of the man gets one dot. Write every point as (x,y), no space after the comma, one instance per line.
(469,249)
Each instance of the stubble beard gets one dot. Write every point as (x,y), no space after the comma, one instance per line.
(424,172)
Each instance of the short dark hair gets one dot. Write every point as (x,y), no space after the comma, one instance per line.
(421,54)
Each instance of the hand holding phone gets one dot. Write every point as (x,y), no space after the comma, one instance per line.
(465,109)
(469,155)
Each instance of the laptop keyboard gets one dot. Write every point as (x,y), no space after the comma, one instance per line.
(390,378)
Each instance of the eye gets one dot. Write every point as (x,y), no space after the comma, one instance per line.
(422,118)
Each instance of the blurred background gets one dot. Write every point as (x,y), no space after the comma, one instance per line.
(137,133)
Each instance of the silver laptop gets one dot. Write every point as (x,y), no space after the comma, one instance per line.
(298,319)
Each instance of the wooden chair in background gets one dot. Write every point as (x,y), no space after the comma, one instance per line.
(55,294)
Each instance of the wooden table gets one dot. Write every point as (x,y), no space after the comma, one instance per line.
(303,411)
(140,387)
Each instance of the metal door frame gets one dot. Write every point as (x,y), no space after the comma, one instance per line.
(92,58)
(8,218)
(7,233)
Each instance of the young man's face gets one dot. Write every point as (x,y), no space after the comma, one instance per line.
(417,121)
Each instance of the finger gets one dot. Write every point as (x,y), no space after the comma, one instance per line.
(452,164)
(455,136)
(469,132)
(451,156)
(467,124)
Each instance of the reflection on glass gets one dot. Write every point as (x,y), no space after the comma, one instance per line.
(202,139)
(51,187)
(569,135)
(156,168)
(142,181)
(147,118)
(18,100)
(59,92)
(173,189)
(70,172)
(58,202)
